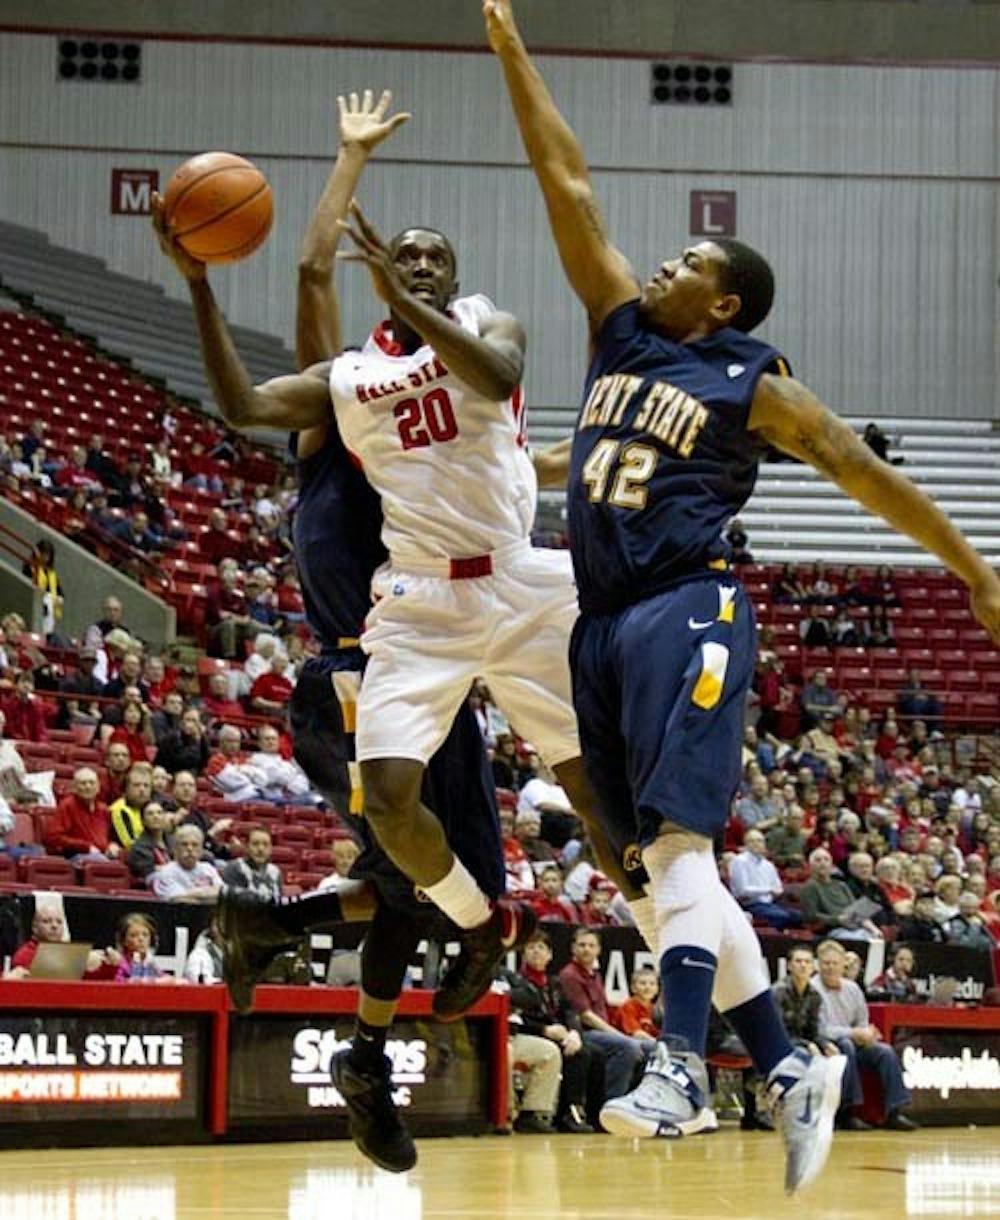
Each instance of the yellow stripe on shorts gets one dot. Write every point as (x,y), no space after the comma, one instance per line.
(357,804)
(714,662)
(346,685)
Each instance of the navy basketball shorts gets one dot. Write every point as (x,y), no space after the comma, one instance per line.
(458,784)
(660,690)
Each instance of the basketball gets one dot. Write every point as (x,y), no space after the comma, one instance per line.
(219,207)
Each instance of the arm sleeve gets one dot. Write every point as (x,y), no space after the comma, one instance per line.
(58,839)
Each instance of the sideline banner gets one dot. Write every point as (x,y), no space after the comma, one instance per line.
(93,1068)
(953,1074)
(279,1073)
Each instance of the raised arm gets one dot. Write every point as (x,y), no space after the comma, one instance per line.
(792,418)
(491,362)
(363,126)
(285,403)
(599,274)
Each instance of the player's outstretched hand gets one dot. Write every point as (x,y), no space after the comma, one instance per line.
(373,251)
(363,121)
(190,268)
(501,28)
(985,601)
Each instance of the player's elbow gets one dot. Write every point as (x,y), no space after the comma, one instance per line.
(313,270)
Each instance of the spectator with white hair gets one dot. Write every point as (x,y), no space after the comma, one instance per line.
(844,1019)
(187,878)
(862,884)
(899,894)
(283,778)
(755,884)
(259,661)
(947,890)
(230,769)
(81,827)
(826,902)
(967,928)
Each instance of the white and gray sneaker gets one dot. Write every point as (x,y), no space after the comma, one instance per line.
(669,1100)
(804,1094)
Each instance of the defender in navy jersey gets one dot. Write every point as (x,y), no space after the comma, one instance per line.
(678,405)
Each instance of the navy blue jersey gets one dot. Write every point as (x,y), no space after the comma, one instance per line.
(337,538)
(661,457)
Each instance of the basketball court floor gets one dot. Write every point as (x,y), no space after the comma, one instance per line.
(935,1172)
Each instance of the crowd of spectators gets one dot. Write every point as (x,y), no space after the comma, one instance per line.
(847,826)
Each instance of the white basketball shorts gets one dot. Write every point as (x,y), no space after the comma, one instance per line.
(428,636)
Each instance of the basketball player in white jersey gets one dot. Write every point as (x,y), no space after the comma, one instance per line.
(431,407)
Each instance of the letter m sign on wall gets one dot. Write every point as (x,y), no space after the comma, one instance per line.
(132,190)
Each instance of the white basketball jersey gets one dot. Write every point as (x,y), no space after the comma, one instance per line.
(451,467)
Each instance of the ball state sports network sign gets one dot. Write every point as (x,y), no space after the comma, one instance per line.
(279,1073)
(98,1068)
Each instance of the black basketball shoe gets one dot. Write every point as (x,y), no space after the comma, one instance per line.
(251,939)
(376,1126)
(483,949)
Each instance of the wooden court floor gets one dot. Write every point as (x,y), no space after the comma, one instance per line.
(941,1172)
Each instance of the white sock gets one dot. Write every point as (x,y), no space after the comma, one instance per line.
(741,973)
(685,885)
(644,913)
(459,896)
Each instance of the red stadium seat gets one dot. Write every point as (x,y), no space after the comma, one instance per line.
(983,707)
(299,837)
(284,857)
(305,815)
(47,872)
(327,834)
(106,876)
(8,868)
(964,679)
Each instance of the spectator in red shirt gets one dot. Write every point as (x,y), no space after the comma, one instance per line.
(227,613)
(550,902)
(583,987)
(520,874)
(272,690)
(81,826)
(135,731)
(290,603)
(216,543)
(24,713)
(217,702)
(637,1016)
(595,911)
(48,927)
(117,761)
(74,473)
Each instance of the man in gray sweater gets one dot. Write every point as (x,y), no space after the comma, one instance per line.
(826,901)
(843,1019)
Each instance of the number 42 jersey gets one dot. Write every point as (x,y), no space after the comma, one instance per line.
(662,457)
(451,467)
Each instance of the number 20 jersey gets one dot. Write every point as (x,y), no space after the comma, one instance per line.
(661,458)
(451,467)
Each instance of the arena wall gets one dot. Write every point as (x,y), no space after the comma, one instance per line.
(872,189)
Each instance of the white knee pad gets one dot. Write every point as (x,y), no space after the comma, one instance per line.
(742,972)
(685,888)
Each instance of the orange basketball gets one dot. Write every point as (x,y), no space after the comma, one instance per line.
(219,207)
